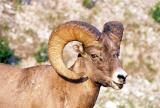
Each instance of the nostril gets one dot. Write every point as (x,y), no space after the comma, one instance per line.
(121,77)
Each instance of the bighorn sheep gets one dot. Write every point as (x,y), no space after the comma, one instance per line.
(57,86)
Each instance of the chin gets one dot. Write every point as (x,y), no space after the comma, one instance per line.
(112,84)
(116,86)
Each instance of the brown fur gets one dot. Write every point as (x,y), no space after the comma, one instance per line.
(42,87)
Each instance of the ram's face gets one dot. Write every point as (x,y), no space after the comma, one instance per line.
(105,58)
(107,69)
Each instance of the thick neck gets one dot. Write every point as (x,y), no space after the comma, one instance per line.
(83,95)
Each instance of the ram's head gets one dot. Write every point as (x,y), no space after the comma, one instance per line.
(97,56)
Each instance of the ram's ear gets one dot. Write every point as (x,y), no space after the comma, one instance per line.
(114,31)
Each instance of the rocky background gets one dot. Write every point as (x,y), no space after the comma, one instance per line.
(27,24)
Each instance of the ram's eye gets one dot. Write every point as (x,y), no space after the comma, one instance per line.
(94,55)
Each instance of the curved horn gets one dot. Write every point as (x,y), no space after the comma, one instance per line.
(114,29)
(70,31)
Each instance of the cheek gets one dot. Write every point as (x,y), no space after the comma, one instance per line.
(109,66)
(102,78)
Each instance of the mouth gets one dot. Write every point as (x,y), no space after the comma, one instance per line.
(116,85)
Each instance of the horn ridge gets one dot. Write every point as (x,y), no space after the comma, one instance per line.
(86,26)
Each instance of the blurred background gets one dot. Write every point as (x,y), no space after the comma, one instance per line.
(25,26)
